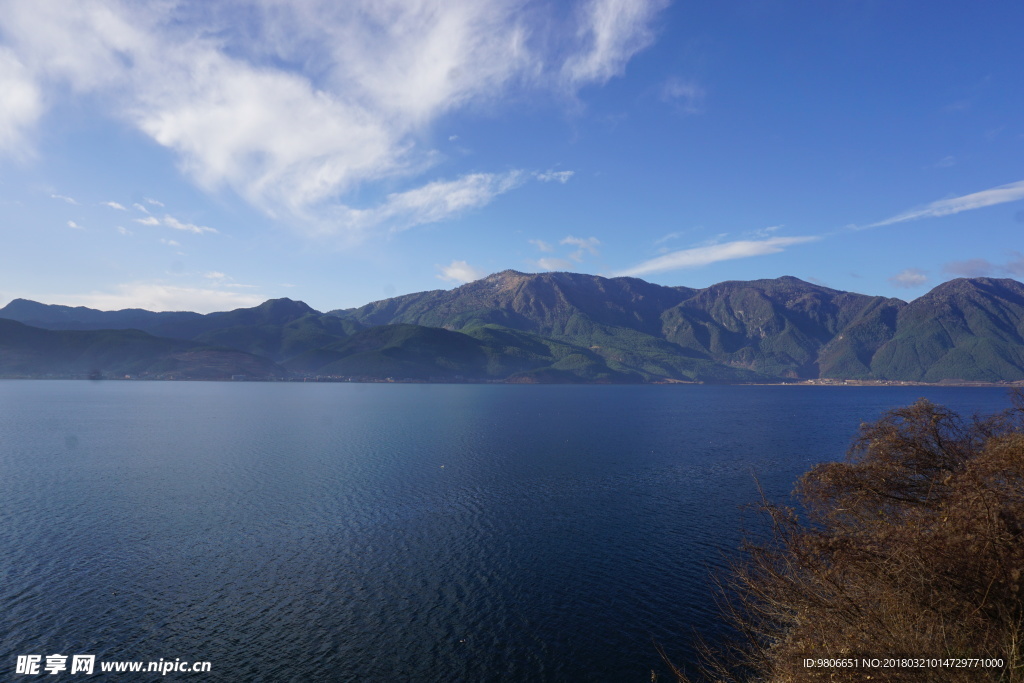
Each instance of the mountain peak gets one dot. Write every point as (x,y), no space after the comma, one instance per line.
(285,305)
(964,288)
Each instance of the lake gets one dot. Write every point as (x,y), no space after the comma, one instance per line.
(392,532)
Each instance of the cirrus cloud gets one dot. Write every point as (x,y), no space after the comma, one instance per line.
(968,202)
(708,254)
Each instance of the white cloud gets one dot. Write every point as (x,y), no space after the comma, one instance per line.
(702,256)
(911,278)
(294,106)
(169,243)
(555,176)
(554,264)
(22,105)
(589,244)
(947,207)
(542,245)
(686,95)
(140,207)
(64,198)
(172,222)
(154,202)
(612,31)
(123,230)
(430,203)
(114,205)
(76,226)
(155,296)
(459,271)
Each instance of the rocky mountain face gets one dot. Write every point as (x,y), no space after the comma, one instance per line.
(966,329)
(515,326)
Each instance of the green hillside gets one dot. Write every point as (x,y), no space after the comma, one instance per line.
(568,327)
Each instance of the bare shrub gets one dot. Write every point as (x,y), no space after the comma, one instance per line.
(912,547)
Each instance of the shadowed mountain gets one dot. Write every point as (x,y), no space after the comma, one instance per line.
(277,329)
(34,352)
(404,351)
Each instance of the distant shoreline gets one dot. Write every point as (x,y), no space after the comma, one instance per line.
(1005,384)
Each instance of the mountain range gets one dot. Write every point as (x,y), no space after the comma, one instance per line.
(548,327)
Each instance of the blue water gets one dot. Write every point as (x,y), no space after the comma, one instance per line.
(347,532)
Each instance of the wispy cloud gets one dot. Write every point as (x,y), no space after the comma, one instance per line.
(74,225)
(175,224)
(669,236)
(140,207)
(124,231)
(114,205)
(64,198)
(612,31)
(172,222)
(154,202)
(702,256)
(555,176)
(231,102)
(430,203)
(947,207)
(550,263)
(224,280)
(975,267)
(911,278)
(584,244)
(763,232)
(687,96)
(459,271)
(979,267)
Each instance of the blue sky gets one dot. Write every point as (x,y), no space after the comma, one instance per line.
(208,156)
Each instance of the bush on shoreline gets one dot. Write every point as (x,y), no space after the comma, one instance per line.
(913,547)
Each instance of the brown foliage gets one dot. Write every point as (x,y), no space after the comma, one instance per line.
(913,547)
